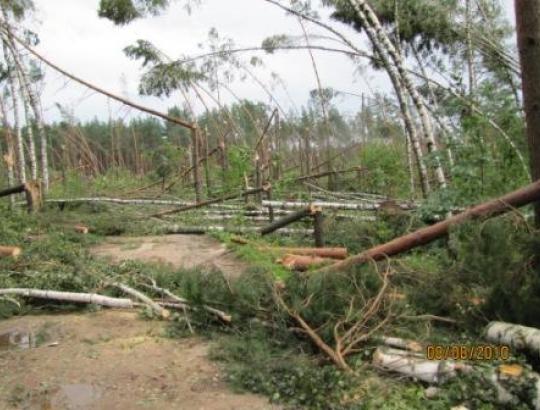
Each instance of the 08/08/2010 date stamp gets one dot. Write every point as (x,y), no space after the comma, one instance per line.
(467,352)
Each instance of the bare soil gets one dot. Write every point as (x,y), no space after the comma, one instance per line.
(115,360)
(110,360)
(179,251)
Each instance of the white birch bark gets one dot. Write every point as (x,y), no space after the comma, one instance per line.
(370,19)
(21,166)
(70,297)
(33,101)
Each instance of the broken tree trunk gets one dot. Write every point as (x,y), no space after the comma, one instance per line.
(70,297)
(296,216)
(318,235)
(32,189)
(518,198)
(10,251)
(303,262)
(517,336)
(209,202)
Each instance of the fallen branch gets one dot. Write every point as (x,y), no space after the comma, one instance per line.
(164,313)
(518,198)
(220,314)
(92,298)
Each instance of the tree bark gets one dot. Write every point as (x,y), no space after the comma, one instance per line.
(289,219)
(370,20)
(21,165)
(528,39)
(518,198)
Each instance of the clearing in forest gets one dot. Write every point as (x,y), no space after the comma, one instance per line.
(113,359)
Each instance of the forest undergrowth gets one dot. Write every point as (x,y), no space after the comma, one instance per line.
(481,272)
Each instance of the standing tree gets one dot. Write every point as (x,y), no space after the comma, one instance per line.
(528,37)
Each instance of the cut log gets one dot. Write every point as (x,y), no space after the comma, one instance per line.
(201,230)
(517,336)
(332,253)
(81,229)
(295,216)
(518,198)
(411,365)
(10,252)
(70,297)
(302,262)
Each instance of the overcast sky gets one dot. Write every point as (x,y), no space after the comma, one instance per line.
(75,38)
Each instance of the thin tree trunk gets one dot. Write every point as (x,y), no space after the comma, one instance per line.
(404,107)
(21,166)
(30,136)
(195,165)
(9,156)
(370,19)
(528,36)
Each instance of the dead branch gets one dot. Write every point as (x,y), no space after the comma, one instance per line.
(164,313)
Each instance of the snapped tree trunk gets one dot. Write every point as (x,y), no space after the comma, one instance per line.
(289,219)
(528,38)
(518,198)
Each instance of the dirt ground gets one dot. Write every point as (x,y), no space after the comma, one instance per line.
(177,250)
(114,360)
(109,360)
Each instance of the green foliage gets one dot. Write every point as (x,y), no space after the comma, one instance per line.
(122,12)
(386,170)
(256,363)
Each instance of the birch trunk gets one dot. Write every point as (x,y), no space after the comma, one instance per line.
(30,135)
(519,337)
(403,105)
(10,152)
(370,19)
(70,297)
(32,100)
(16,118)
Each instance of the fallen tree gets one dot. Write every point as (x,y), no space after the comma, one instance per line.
(333,253)
(367,206)
(518,198)
(211,202)
(287,220)
(74,297)
(200,230)
(517,336)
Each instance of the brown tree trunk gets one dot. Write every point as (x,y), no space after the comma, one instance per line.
(523,196)
(528,38)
